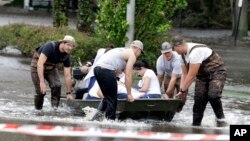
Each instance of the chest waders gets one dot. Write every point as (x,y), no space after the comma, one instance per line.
(209,85)
(51,75)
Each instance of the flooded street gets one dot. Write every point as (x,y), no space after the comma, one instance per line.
(17,96)
(16,100)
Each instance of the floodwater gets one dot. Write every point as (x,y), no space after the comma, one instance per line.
(16,100)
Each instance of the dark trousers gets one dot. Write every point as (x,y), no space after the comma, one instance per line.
(208,90)
(79,92)
(107,81)
(53,79)
(148,96)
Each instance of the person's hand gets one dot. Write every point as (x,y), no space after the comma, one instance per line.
(165,96)
(70,97)
(182,96)
(130,98)
(178,96)
(84,69)
(43,87)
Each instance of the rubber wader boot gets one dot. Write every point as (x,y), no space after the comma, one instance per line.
(39,101)
(217,107)
(55,96)
(99,115)
(197,119)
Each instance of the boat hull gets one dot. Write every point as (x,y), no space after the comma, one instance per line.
(160,109)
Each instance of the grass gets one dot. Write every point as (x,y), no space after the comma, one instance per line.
(235,93)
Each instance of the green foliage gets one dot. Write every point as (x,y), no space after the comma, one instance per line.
(60,13)
(28,37)
(111,21)
(86,15)
(207,14)
(17,3)
(152,21)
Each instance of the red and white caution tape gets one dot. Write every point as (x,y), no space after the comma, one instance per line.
(51,130)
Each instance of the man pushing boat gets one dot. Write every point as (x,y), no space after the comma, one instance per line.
(110,65)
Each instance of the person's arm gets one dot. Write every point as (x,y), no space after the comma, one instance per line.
(128,73)
(160,70)
(171,85)
(184,74)
(146,83)
(85,69)
(193,70)
(160,79)
(40,70)
(68,82)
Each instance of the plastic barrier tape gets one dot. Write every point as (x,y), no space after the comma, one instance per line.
(51,130)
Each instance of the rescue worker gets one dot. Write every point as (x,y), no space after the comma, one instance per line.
(109,66)
(44,67)
(169,71)
(201,62)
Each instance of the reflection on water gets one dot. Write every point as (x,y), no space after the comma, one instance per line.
(16,100)
(237,63)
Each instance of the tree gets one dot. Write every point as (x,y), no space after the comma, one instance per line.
(87,15)
(152,22)
(60,17)
(243,23)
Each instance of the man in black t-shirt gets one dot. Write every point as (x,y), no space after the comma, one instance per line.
(44,67)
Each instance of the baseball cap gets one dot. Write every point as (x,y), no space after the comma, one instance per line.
(139,44)
(177,40)
(69,39)
(166,47)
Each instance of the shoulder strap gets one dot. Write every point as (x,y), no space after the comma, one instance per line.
(196,46)
(184,60)
(53,44)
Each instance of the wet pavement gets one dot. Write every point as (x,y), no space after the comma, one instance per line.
(16,98)
(11,15)
(16,89)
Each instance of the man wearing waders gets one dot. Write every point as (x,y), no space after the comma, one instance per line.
(202,63)
(109,66)
(44,67)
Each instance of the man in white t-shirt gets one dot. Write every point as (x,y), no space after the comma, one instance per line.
(169,71)
(202,63)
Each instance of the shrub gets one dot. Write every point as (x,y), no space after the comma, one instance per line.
(28,37)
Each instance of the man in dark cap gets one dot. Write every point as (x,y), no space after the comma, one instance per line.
(44,67)
(168,68)
(109,66)
(202,63)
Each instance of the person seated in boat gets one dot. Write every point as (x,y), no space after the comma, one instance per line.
(169,71)
(89,80)
(79,90)
(149,83)
(122,91)
(96,93)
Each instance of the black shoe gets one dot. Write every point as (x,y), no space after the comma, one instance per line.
(99,116)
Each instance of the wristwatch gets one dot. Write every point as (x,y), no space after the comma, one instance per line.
(182,91)
(68,92)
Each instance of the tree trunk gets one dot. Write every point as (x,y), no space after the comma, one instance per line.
(233,15)
(243,26)
(243,23)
